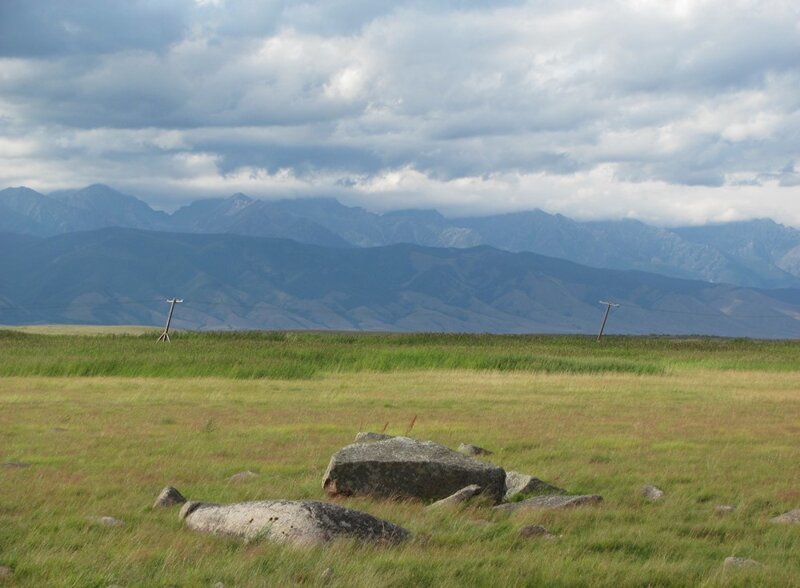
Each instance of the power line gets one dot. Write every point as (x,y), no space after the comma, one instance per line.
(609,306)
(165,335)
(229,303)
(690,313)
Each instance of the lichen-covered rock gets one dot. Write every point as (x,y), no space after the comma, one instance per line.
(169,497)
(517,483)
(464,495)
(242,476)
(107,521)
(535,531)
(407,468)
(740,562)
(297,522)
(369,437)
(651,493)
(793,516)
(724,509)
(552,502)
(473,450)
(15,464)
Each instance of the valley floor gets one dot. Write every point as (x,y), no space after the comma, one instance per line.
(706,433)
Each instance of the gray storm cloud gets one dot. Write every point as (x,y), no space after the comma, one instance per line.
(672,112)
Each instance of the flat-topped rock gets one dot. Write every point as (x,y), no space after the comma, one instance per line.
(517,483)
(169,497)
(793,516)
(402,467)
(552,502)
(369,437)
(464,495)
(296,522)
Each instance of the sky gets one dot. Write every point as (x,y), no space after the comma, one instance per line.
(674,112)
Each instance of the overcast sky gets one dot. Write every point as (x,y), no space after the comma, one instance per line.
(669,111)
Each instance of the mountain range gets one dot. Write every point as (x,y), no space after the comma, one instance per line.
(758,253)
(122,276)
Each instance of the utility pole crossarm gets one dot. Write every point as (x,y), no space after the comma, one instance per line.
(609,306)
(165,335)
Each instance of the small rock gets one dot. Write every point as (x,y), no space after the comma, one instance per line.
(793,516)
(423,539)
(652,493)
(242,476)
(218,585)
(15,464)
(724,509)
(473,450)
(552,502)
(326,575)
(517,483)
(368,437)
(533,531)
(297,522)
(740,562)
(107,521)
(6,572)
(460,497)
(169,497)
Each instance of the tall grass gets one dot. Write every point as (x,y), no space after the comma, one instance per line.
(106,446)
(292,355)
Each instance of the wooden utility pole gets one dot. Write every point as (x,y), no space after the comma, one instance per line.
(609,306)
(165,335)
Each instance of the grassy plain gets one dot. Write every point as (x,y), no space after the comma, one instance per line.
(106,422)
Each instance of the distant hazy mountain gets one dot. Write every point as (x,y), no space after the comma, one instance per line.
(761,245)
(93,207)
(105,207)
(26,211)
(117,276)
(242,215)
(757,253)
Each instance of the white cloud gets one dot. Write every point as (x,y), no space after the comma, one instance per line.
(669,111)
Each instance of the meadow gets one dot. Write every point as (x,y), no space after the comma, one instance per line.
(103,422)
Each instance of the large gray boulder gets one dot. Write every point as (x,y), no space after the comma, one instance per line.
(407,468)
(552,502)
(297,522)
(523,484)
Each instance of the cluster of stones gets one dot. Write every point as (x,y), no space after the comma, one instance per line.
(380,466)
(400,467)
(383,466)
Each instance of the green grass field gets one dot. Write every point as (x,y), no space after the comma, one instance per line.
(106,421)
